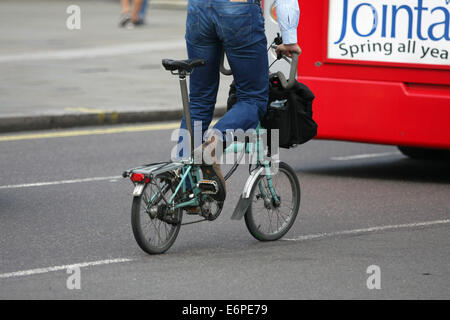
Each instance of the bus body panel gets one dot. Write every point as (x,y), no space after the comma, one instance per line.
(380,112)
(386,102)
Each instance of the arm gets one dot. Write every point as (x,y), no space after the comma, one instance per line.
(288,14)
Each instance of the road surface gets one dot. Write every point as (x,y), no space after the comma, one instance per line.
(63,204)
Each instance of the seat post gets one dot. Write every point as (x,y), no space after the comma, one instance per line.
(186,107)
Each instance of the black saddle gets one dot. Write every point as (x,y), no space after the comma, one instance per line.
(182,65)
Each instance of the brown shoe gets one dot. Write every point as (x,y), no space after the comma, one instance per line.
(213,172)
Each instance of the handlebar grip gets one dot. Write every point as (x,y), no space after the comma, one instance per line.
(289,84)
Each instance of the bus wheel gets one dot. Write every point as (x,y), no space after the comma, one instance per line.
(425,153)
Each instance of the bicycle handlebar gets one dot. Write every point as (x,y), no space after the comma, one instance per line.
(288,84)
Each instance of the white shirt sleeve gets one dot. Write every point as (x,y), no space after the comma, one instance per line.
(288,14)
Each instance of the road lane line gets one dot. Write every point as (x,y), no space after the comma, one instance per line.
(369,230)
(52,183)
(89,132)
(77,133)
(64,267)
(365,156)
(302,238)
(94,52)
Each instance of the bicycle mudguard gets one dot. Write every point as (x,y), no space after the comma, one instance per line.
(244,200)
(241,208)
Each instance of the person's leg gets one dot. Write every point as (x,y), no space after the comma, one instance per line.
(250,73)
(136,8)
(242,31)
(143,10)
(204,84)
(125,6)
(125,15)
(202,43)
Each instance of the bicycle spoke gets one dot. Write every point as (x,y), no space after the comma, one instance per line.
(270,221)
(282,216)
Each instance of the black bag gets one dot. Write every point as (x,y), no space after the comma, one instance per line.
(290,111)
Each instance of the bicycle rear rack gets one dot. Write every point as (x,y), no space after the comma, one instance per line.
(154,169)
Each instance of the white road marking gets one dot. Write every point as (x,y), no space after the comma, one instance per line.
(59,268)
(94,52)
(365,156)
(52,183)
(301,238)
(369,230)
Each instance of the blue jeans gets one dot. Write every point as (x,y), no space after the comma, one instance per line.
(143,10)
(238,28)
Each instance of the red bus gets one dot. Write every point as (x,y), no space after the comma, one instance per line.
(380,69)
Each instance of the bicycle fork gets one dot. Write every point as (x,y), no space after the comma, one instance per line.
(244,200)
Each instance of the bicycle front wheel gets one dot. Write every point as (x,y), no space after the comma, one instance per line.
(273,212)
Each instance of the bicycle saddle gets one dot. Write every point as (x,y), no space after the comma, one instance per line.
(182,65)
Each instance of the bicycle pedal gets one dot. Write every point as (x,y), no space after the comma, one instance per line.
(208,186)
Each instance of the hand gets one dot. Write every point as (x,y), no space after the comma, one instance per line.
(288,49)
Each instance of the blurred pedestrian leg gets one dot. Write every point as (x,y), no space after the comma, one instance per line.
(130,17)
(143,11)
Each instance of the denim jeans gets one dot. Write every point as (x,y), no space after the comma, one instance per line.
(143,10)
(237,28)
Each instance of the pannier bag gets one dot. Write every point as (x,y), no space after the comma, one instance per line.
(289,111)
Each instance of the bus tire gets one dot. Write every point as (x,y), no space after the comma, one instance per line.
(425,153)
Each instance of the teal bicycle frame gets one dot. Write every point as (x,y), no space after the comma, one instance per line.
(190,171)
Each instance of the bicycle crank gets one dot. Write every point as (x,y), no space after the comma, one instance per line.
(211,209)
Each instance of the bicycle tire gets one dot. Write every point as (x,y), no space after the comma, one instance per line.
(141,237)
(251,221)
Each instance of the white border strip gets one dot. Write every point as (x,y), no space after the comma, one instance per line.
(59,268)
(369,230)
(40,184)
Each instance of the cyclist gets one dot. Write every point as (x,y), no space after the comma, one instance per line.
(237,26)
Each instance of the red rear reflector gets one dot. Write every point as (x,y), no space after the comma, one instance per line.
(137,177)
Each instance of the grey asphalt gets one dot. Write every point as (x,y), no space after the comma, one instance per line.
(53,77)
(56,225)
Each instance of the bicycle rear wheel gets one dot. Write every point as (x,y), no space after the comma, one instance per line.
(267,219)
(155,226)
